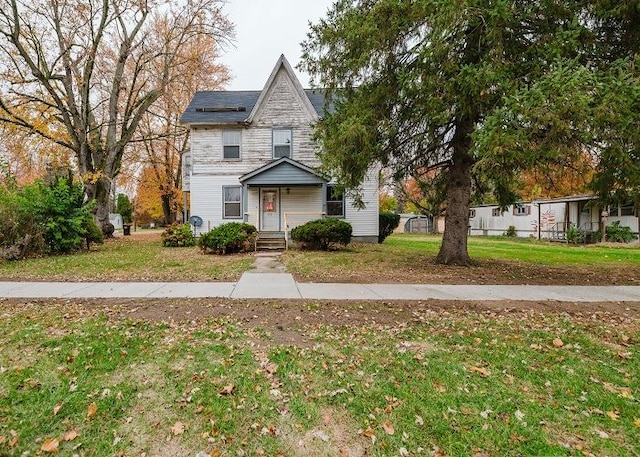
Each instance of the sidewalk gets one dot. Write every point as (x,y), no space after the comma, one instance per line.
(268,280)
(282,285)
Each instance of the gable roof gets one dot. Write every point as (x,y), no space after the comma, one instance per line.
(283,171)
(240,107)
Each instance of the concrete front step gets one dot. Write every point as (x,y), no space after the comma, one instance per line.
(271,241)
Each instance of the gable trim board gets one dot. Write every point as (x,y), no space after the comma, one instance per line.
(299,187)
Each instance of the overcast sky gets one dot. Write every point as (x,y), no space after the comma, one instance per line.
(264,30)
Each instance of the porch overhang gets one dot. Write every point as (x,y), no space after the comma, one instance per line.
(283,172)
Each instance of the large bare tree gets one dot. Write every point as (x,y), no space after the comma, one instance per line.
(92,69)
(161,140)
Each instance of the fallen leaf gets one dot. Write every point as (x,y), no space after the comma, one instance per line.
(344,452)
(480,370)
(178,428)
(91,412)
(519,415)
(439,387)
(271,368)
(403,452)
(636,423)
(557,342)
(388,427)
(70,435)
(57,408)
(227,390)
(50,445)
(419,420)
(613,415)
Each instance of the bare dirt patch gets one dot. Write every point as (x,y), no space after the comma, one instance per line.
(291,322)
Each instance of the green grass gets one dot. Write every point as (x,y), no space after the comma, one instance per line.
(525,250)
(130,259)
(410,258)
(464,383)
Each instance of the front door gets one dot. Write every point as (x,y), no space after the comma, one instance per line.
(270,210)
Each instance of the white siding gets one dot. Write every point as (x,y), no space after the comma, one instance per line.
(206,199)
(365,221)
(302,204)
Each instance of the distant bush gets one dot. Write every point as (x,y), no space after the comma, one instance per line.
(178,236)
(323,233)
(229,238)
(387,223)
(511,232)
(619,234)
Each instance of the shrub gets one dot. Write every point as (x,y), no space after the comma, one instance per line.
(178,236)
(619,234)
(323,233)
(387,223)
(511,232)
(124,208)
(229,238)
(44,218)
(574,235)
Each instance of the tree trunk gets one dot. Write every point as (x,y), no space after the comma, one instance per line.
(453,250)
(169,216)
(100,191)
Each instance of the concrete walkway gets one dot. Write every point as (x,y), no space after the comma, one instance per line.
(268,280)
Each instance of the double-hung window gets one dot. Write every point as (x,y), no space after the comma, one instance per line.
(335,201)
(281,143)
(232,202)
(231,144)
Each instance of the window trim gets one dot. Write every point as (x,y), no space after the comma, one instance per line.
(496,212)
(225,202)
(472,213)
(521,210)
(273,142)
(329,190)
(239,145)
(627,210)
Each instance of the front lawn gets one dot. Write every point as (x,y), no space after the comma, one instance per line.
(130,258)
(84,380)
(410,259)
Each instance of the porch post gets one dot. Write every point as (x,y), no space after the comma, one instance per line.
(324,199)
(245,203)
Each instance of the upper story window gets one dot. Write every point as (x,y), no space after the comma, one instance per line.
(281,143)
(335,201)
(231,144)
(472,213)
(496,212)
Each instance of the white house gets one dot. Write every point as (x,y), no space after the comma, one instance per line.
(549,219)
(252,158)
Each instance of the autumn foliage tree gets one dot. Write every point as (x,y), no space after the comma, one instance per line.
(161,140)
(91,69)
